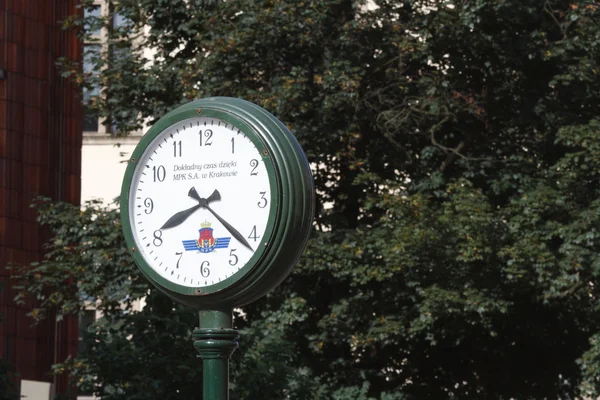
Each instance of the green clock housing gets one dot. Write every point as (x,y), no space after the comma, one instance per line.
(217,203)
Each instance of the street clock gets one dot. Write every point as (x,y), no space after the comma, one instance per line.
(217,203)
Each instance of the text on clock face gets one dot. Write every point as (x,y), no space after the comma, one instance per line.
(223,169)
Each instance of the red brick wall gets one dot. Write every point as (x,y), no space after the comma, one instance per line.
(40,153)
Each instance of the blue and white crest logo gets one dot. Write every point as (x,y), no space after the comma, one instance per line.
(206,243)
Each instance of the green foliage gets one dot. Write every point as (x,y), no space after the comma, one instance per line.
(456,147)
(140,355)
(85,262)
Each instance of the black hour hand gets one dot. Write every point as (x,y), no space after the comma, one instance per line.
(181,216)
(178,218)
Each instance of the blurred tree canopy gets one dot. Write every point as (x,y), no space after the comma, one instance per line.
(456,153)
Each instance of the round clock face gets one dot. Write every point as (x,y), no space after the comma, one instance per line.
(199,202)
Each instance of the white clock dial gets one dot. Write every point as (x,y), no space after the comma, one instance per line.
(199,202)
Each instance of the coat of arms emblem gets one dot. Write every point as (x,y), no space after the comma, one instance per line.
(206,242)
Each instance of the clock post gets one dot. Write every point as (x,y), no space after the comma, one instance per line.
(217,206)
(215,340)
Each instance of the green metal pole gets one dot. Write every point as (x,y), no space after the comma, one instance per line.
(215,340)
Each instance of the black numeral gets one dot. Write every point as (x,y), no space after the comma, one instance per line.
(159,173)
(177,149)
(157,238)
(208,134)
(254,165)
(180,254)
(253,234)
(149,204)
(262,203)
(204,271)
(232,145)
(233,261)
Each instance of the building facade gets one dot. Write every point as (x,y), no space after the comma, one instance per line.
(104,154)
(40,154)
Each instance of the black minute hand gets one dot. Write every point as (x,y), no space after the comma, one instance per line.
(231,229)
(204,203)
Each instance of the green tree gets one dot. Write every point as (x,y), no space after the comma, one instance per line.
(125,355)
(456,154)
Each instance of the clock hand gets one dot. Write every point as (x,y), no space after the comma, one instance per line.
(213,197)
(193,194)
(181,216)
(230,228)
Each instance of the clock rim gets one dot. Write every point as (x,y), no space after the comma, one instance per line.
(177,116)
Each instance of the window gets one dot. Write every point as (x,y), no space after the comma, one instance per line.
(90,22)
(97,48)
(91,53)
(119,21)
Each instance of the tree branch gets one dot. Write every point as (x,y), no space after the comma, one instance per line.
(453,153)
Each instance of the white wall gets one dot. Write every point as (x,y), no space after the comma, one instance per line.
(34,390)
(103,165)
